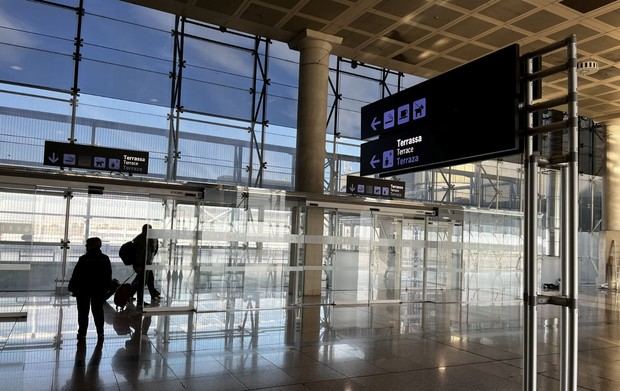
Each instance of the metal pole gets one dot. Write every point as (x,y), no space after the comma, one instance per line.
(65,241)
(195,256)
(564,289)
(573,215)
(532,283)
(77,57)
(497,186)
(526,243)
(252,129)
(179,107)
(266,82)
(424,259)
(173,100)
(335,168)
(591,203)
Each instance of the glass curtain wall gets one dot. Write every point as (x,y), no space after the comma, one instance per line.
(241,251)
(208,105)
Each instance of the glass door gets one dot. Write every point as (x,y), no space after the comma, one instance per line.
(175,261)
(443,270)
(385,258)
(413,252)
(349,256)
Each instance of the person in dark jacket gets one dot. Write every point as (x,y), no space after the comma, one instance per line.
(145,252)
(89,282)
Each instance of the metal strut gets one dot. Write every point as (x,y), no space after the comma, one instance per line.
(568,242)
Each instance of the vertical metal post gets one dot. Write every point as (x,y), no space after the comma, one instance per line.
(573,215)
(65,241)
(532,280)
(591,203)
(77,57)
(498,191)
(178,63)
(424,259)
(179,106)
(478,184)
(266,82)
(529,357)
(564,289)
(195,255)
(337,97)
(255,55)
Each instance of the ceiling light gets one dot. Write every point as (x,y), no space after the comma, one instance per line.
(588,67)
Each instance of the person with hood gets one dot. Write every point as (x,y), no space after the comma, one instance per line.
(89,283)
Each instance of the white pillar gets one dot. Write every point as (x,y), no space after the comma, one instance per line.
(314,48)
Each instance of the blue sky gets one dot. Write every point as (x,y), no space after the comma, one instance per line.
(127,56)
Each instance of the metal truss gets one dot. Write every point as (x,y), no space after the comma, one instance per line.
(259,111)
(332,185)
(77,57)
(174,117)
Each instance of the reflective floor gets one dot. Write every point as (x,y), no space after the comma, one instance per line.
(382,347)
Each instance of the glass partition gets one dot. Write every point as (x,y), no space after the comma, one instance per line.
(413,252)
(385,258)
(115,219)
(492,257)
(249,245)
(174,249)
(347,256)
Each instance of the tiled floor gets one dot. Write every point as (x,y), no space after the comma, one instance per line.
(382,347)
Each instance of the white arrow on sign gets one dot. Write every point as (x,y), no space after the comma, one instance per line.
(352,188)
(374,123)
(374,161)
(53,158)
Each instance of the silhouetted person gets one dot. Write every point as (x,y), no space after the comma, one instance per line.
(145,252)
(91,279)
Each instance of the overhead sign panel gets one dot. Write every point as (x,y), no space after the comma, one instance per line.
(375,187)
(90,157)
(467,114)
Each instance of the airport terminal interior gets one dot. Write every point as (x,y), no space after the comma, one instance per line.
(231,127)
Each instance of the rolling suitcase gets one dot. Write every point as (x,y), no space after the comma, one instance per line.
(123,294)
(113,287)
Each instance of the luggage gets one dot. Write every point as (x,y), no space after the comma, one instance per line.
(113,287)
(122,292)
(123,295)
(127,253)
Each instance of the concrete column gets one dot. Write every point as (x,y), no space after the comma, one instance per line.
(611,178)
(314,48)
(611,194)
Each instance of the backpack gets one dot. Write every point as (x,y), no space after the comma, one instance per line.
(127,252)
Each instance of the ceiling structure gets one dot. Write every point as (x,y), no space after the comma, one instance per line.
(426,37)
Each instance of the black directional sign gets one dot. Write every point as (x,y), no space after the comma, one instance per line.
(95,158)
(467,114)
(375,187)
